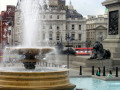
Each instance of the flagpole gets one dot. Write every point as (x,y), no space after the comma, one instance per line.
(68,51)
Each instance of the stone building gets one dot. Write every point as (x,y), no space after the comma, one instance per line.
(58,20)
(96,27)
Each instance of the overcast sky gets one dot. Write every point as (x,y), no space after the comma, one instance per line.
(85,7)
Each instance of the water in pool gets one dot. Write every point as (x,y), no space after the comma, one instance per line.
(95,84)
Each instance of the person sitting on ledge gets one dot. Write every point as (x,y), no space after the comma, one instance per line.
(110,74)
(98,71)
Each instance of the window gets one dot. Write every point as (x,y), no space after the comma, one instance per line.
(50,27)
(43,36)
(79,36)
(73,26)
(50,36)
(58,17)
(66,35)
(58,27)
(58,37)
(50,16)
(66,27)
(79,27)
(73,36)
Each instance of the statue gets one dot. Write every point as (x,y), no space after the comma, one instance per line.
(99,53)
(61,50)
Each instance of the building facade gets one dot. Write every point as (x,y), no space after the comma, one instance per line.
(96,28)
(58,21)
(7,26)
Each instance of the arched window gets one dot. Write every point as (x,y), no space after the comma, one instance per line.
(58,27)
(79,27)
(50,36)
(58,37)
(73,26)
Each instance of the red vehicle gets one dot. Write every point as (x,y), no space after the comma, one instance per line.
(83,51)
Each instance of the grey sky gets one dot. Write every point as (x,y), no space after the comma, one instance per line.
(85,7)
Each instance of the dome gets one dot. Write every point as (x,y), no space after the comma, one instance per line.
(73,14)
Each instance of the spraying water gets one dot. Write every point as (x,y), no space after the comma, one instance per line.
(30,16)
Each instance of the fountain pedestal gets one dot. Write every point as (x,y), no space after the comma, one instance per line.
(57,80)
(30,61)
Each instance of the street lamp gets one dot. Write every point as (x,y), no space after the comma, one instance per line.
(88,44)
(68,39)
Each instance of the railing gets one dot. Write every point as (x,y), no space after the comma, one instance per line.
(47,64)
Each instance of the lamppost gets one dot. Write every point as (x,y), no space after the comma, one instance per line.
(68,39)
(88,43)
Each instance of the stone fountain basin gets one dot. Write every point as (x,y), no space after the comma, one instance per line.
(55,79)
(30,54)
(34,51)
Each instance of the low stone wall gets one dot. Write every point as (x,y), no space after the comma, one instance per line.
(116,63)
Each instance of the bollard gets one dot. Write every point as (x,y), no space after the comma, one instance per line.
(104,71)
(80,70)
(116,72)
(92,70)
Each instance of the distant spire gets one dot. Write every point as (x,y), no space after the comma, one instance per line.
(70,6)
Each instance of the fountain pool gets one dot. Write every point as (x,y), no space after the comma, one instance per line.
(95,84)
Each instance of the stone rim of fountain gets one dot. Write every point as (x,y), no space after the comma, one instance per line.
(30,59)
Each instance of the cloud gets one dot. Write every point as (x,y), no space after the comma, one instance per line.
(88,7)
(3,3)
(85,7)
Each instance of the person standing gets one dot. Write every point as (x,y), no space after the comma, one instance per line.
(98,71)
(110,74)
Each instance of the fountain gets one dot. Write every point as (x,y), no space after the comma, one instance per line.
(29,76)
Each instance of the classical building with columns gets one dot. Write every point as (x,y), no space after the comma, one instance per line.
(96,28)
(58,20)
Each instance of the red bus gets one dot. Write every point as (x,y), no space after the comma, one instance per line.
(83,51)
